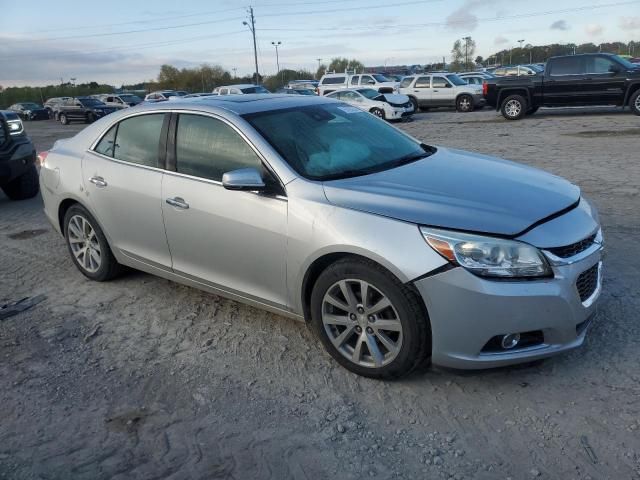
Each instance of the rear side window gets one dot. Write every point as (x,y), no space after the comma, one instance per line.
(138,139)
(208,148)
(333,80)
(406,82)
(566,66)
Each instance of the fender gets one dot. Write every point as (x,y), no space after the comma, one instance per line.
(631,89)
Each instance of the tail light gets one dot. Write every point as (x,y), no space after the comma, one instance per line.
(42,157)
(485,88)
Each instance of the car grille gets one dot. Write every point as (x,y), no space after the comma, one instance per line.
(401,105)
(587,282)
(573,249)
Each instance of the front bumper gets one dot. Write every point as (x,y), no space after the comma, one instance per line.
(467,311)
(397,113)
(16,160)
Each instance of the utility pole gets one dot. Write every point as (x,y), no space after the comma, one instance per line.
(252,27)
(277,44)
(235,75)
(466,52)
(319,65)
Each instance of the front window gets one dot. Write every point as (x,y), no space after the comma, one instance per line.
(406,81)
(439,82)
(91,102)
(30,106)
(331,141)
(381,78)
(456,80)
(169,94)
(598,65)
(256,89)
(130,98)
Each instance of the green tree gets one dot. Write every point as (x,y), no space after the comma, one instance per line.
(321,71)
(339,64)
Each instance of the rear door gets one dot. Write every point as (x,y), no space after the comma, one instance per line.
(604,81)
(231,240)
(564,81)
(122,177)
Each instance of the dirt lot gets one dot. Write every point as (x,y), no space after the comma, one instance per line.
(144,378)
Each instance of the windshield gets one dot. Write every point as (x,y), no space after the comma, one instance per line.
(91,102)
(331,141)
(257,89)
(625,62)
(130,98)
(456,80)
(380,78)
(169,94)
(369,93)
(30,106)
(304,91)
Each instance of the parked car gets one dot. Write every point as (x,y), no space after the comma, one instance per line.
(387,106)
(30,111)
(82,109)
(442,90)
(574,80)
(119,100)
(395,251)
(475,78)
(334,81)
(160,95)
(297,91)
(304,84)
(18,173)
(240,89)
(196,95)
(51,104)
(516,70)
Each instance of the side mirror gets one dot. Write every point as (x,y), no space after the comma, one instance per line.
(247,179)
(448,85)
(614,69)
(370,82)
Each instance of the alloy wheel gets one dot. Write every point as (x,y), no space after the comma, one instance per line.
(513,108)
(84,243)
(362,323)
(464,104)
(637,103)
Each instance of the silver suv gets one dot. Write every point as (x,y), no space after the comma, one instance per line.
(394,251)
(442,90)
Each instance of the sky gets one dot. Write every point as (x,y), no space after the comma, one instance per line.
(45,42)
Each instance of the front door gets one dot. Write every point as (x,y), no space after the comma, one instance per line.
(442,92)
(232,240)
(122,180)
(605,81)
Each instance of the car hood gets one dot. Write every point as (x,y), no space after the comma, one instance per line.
(459,190)
(393,98)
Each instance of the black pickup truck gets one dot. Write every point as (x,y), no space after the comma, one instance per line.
(18,173)
(575,80)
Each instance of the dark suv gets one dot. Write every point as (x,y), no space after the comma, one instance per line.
(30,111)
(18,174)
(81,109)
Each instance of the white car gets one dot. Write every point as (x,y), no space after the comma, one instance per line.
(442,90)
(121,100)
(331,82)
(162,95)
(387,106)
(240,89)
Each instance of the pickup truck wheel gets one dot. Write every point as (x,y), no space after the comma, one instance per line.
(532,110)
(378,112)
(514,107)
(634,103)
(63,119)
(464,103)
(23,187)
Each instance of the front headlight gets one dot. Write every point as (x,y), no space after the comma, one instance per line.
(15,126)
(488,256)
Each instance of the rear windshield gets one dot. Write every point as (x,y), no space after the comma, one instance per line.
(257,89)
(332,80)
(334,140)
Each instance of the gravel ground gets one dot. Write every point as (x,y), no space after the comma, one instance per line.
(144,378)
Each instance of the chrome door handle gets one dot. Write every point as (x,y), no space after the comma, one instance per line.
(177,202)
(98,182)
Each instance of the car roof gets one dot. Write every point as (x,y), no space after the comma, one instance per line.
(240,85)
(240,104)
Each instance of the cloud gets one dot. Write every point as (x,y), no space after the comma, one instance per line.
(500,40)
(594,29)
(560,25)
(630,23)
(463,18)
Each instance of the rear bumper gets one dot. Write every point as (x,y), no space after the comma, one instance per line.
(467,311)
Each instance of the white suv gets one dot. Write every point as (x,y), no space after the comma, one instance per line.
(331,82)
(240,89)
(442,90)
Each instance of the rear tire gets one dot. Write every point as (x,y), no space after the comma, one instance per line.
(23,187)
(399,334)
(514,107)
(63,119)
(88,246)
(464,103)
(378,112)
(634,102)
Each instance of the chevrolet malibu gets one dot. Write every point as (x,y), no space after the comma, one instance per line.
(395,252)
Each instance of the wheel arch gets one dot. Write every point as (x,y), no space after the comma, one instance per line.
(633,88)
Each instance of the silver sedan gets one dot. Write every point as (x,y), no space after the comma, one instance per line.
(395,252)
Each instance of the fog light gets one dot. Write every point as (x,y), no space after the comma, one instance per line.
(510,341)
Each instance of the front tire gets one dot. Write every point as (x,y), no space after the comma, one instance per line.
(378,112)
(88,246)
(514,107)
(634,102)
(414,102)
(464,103)
(63,119)
(368,321)
(24,187)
